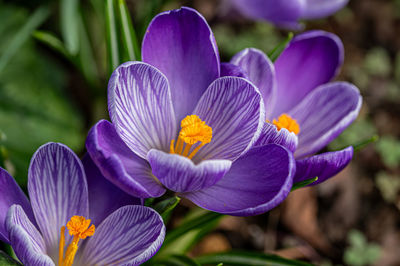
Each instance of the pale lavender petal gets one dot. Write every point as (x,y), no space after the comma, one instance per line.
(182,46)
(119,164)
(312,59)
(322,8)
(11,193)
(281,12)
(323,165)
(231,70)
(271,135)
(234,109)
(129,236)
(261,72)
(180,174)
(57,189)
(324,114)
(104,197)
(139,102)
(25,239)
(257,182)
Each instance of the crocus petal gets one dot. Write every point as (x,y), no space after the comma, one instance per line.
(231,70)
(271,135)
(11,193)
(234,109)
(119,164)
(312,59)
(140,107)
(323,165)
(25,239)
(321,8)
(261,72)
(104,197)
(129,236)
(182,46)
(324,114)
(257,182)
(58,190)
(180,174)
(281,12)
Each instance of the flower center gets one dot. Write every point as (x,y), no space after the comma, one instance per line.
(285,121)
(193,130)
(78,227)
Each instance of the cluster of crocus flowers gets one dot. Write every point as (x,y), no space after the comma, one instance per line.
(287,13)
(305,111)
(178,125)
(57,227)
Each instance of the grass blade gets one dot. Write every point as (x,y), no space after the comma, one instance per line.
(70,25)
(130,40)
(112,36)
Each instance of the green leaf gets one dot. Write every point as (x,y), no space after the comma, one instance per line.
(34,21)
(165,207)
(69,16)
(304,183)
(276,52)
(6,260)
(112,37)
(177,260)
(130,40)
(360,145)
(246,258)
(52,41)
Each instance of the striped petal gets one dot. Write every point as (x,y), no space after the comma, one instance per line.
(234,109)
(25,239)
(58,190)
(271,135)
(140,106)
(129,236)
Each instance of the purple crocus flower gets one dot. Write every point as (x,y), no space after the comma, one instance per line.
(54,229)
(304,111)
(287,13)
(176,125)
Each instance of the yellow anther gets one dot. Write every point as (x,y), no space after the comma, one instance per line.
(193,130)
(285,121)
(80,228)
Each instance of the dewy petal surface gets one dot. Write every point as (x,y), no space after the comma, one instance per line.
(182,46)
(57,189)
(271,135)
(323,165)
(25,239)
(180,174)
(257,182)
(139,102)
(129,236)
(312,59)
(234,109)
(261,72)
(321,8)
(11,193)
(104,197)
(324,114)
(119,164)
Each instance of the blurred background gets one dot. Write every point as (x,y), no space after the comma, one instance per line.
(53,78)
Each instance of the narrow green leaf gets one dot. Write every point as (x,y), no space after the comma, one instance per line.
(245,258)
(112,36)
(6,260)
(191,224)
(69,20)
(304,183)
(276,52)
(177,260)
(165,207)
(363,143)
(130,40)
(34,21)
(52,41)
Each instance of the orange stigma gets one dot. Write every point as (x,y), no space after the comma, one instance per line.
(285,121)
(193,130)
(80,228)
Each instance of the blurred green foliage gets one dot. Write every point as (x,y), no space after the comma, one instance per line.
(389,150)
(389,186)
(360,252)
